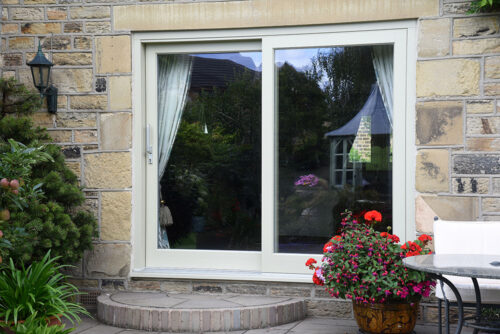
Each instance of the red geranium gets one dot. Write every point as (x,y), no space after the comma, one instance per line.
(337,238)
(317,280)
(325,247)
(373,215)
(310,262)
(424,238)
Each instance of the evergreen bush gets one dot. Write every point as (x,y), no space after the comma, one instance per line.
(55,220)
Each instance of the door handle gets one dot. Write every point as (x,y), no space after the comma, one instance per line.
(149,147)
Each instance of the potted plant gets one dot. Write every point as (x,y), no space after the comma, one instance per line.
(39,288)
(366,266)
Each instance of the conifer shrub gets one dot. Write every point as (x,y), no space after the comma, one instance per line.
(55,220)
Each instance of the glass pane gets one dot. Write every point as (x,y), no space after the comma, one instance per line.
(211,184)
(330,102)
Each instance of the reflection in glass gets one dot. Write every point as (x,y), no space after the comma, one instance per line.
(210,182)
(334,146)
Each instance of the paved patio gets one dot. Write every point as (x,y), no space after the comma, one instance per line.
(308,325)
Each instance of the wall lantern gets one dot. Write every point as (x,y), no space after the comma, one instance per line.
(40,70)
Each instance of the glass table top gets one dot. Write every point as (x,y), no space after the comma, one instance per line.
(468,265)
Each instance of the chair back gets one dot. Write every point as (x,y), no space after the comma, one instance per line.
(466,237)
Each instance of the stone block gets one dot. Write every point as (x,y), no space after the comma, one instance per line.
(492,68)
(329,308)
(86,136)
(116,131)
(62,102)
(74,27)
(82,102)
(43,119)
(483,125)
(84,283)
(144,285)
(26,79)
(91,205)
(424,216)
(56,43)
(483,144)
(90,12)
(76,120)
(434,38)
(290,290)
(496,185)
(480,107)
(471,185)
(448,77)
(39,2)
(97,27)
(246,289)
(61,136)
(11,59)
(8,74)
(41,28)
(476,164)
(476,46)
(10,2)
(456,8)
(453,207)
(21,43)
(475,26)
(27,14)
(491,204)
(207,287)
(108,260)
(120,93)
(439,123)
(72,58)
(108,170)
(83,42)
(176,287)
(10,28)
(113,54)
(432,171)
(113,284)
(73,80)
(116,208)
(57,13)
(492,89)
(71,152)
(75,167)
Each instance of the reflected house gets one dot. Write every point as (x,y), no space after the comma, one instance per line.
(211,73)
(359,143)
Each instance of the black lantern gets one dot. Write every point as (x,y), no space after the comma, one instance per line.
(40,70)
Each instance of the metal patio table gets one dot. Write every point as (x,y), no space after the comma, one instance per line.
(465,265)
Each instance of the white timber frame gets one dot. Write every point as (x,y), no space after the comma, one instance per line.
(266,265)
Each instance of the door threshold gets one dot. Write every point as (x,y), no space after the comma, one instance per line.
(215,274)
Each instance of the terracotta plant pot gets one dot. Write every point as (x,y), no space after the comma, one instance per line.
(390,318)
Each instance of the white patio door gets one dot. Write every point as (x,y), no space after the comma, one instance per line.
(220,219)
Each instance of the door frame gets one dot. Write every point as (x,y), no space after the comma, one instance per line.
(273,266)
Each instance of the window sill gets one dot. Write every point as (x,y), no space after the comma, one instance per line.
(229,275)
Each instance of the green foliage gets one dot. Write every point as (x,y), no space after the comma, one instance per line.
(50,216)
(483,5)
(39,288)
(36,325)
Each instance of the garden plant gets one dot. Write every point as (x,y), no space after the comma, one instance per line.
(366,266)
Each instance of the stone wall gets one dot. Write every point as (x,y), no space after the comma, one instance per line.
(458,116)
(457,121)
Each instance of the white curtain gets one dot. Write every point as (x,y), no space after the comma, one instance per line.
(174,76)
(383,63)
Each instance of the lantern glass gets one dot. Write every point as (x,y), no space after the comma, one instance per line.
(41,76)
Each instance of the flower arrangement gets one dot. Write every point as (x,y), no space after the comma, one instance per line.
(366,266)
(309,180)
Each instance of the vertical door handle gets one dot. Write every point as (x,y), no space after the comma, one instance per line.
(149,147)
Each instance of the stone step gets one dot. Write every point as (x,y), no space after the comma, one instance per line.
(156,311)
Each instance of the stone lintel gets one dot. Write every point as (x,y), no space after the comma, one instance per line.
(266,13)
